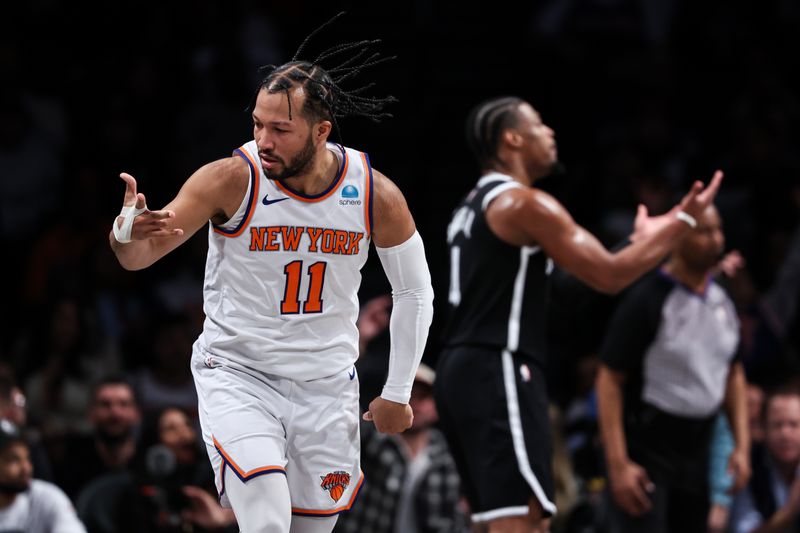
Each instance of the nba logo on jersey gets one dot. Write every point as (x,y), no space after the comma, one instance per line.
(349,196)
(335,483)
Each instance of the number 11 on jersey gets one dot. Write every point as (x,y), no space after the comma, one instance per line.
(290,305)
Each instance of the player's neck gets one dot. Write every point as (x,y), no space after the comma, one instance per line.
(516,170)
(695,279)
(320,175)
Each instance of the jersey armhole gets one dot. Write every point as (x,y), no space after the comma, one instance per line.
(247,206)
(497,191)
(369,194)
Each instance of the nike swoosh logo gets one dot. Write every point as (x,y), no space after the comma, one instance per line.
(353,375)
(267,202)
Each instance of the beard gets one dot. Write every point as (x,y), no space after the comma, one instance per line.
(298,164)
(541,171)
(113,438)
(555,169)
(14,487)
(703,262)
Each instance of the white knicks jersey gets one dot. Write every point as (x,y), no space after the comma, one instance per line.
(282,275)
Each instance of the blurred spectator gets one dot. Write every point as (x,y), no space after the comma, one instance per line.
(771,502)
(29,505)
(171,460)
(12,400)
(720,480)
(172,429)
(168,487)
(411,484)
(12,408)
(114,416)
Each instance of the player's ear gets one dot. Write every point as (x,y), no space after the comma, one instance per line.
(322,130)
(512,138)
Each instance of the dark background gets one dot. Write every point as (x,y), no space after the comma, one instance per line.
(644,96)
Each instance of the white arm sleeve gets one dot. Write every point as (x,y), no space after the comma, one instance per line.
(412,312)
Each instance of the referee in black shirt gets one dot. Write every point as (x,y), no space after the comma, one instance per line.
(668,365)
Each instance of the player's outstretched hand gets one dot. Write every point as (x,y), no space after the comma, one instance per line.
(389,417)
(149,224)
(698,198)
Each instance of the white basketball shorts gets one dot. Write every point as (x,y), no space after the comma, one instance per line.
(258,424)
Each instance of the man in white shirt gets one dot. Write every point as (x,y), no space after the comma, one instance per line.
(29,505)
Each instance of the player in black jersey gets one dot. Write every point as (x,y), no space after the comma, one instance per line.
(491,391)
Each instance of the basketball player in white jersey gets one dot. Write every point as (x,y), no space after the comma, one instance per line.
(291,218)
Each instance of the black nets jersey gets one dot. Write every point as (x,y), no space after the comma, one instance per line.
(498,292)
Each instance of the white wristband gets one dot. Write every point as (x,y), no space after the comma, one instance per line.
(686,217)
(123,232)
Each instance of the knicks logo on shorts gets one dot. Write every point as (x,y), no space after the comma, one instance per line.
(335,483)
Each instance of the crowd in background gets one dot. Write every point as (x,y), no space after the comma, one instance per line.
(644,97)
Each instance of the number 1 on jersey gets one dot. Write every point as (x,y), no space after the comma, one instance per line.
(290,305)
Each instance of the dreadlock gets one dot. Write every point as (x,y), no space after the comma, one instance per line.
(486,122)
(326,99)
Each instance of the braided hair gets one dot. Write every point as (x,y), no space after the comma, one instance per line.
(326,99)
(486,122)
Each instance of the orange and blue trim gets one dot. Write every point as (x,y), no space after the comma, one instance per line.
(368,194)
(331,512)
(324,194)
(243,475)
(251,201)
